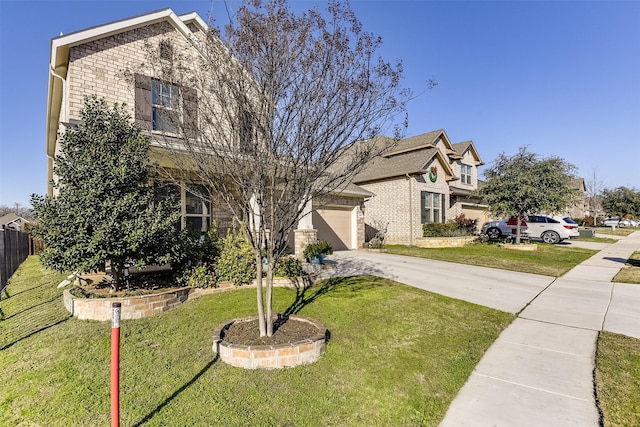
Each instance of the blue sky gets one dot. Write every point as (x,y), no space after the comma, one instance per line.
(560,77)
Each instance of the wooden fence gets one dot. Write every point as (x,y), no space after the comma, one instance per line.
(15,247)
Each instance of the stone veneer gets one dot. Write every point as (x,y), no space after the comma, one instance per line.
(444,242)
(137,307)
(270,356)
(133,307)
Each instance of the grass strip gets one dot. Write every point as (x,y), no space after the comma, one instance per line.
(630,273)
(618,379)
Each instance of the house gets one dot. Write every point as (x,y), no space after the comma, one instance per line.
(98,61)
(422,179)
(580,206)
(13,221)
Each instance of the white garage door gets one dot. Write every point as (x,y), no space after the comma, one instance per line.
(334,226)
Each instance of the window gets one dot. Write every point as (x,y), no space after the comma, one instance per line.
(432,205)
(465,174)
(166,49)
(197,209)
(165,102)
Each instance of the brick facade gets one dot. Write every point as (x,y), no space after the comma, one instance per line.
(106,61)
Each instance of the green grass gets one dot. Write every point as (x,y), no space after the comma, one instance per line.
(618,379)
(624,231)
(397,356)
(548,260)
(630,273)
(598,239)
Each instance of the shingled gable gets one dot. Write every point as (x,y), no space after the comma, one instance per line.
(59,60)
(411,156)
(462,147)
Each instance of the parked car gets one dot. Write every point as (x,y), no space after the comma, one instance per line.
(503,228)
(615,222)
(569,224)
(543,227)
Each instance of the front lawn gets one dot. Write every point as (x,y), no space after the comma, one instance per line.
(548,260)
(396,356)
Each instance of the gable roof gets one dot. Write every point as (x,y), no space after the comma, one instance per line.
(424,140)
(11,218)
(463,147)
(407,163)
(59,57)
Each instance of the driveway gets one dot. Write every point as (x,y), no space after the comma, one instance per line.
(500,289)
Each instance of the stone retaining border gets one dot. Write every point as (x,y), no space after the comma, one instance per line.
(444,242)
(137,307)
(270,356)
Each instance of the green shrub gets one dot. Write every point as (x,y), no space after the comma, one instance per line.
(439,229)
(459,227)
(236,262)
(315,250)
(288,266)
(202,276)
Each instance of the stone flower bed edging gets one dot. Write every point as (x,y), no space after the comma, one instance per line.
(444,242)
(520,247)
(133,307)
(139,306)
(270,356)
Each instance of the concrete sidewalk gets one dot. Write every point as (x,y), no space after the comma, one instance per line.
(539,372)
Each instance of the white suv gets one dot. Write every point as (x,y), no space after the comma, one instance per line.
(548,229)
(543,227)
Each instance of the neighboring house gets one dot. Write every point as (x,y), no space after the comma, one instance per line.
(423,179)
(13,221)
(98,61)
(580,207)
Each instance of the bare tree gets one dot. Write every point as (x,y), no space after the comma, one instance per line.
(594,186)
(281,109)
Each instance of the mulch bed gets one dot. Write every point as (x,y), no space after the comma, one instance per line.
(137,284)
(287,331)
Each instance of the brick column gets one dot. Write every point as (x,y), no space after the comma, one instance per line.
(304,236)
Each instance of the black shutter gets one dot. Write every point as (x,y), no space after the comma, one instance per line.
(144,110)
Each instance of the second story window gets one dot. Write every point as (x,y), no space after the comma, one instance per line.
(465,174)
(165,101)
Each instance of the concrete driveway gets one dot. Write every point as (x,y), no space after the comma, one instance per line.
(500,289)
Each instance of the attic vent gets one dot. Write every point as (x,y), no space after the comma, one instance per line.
(166,49)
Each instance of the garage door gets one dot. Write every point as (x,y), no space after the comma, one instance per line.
(334,226)
(479,213)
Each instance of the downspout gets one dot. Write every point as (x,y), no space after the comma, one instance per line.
(410,210)
(49,156)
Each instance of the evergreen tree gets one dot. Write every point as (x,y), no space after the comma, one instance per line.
(106,209)
(525,183)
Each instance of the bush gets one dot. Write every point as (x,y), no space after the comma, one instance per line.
(315,250)
(467,225)
(236,262)
(288,266)
(459,227)
(202,276)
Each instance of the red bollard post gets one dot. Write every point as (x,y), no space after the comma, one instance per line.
(115,365)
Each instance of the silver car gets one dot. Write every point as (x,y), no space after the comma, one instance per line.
(615,222)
